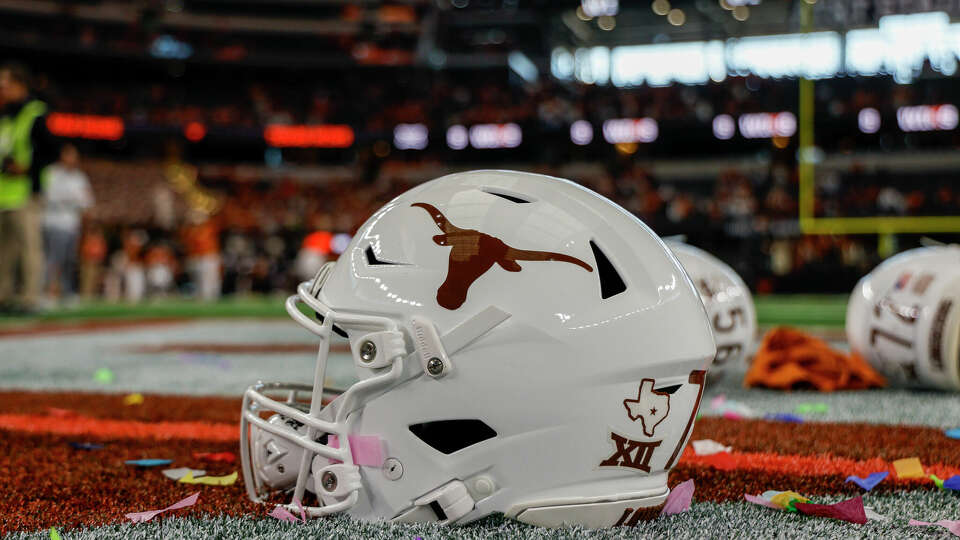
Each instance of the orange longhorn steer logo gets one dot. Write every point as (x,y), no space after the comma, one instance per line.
(474,253)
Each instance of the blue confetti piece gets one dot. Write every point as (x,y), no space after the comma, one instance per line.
(85,446)
(953,433)
(952,483)
(149,462)
(784,417)
(869,482)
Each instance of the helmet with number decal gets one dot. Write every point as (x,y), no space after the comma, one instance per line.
(904,317)
(523,346)
(727,300)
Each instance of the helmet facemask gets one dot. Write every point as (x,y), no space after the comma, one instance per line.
(309,428)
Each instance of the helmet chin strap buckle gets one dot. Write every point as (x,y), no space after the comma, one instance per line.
(433,356)
(445,505)
(335,482)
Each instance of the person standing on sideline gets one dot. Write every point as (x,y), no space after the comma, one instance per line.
(201,240)
(26,148)
(66,196)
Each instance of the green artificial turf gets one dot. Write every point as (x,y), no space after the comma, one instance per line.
(794,310)
(703,520)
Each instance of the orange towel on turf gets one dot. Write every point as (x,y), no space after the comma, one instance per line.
(790,359)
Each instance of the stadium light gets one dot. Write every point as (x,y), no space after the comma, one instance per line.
(724,127)
(309,136)
(868,120)
(410,136)
(457,137)
(581,132)
(663,64)
(194,131)
(815,55)
(927,118)
(600,8)
(486,136)
(630,130)
(902,44)
(523,66)
(766,125)
(85,126)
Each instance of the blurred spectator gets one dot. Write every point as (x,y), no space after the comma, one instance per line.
(161,270)
(26,148)
(93,251)
(313,254)
(131,266)
(201,239)
(66,196)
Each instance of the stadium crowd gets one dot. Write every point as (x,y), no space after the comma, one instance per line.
(153,231)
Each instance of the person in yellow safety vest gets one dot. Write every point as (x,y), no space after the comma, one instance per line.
(26,148)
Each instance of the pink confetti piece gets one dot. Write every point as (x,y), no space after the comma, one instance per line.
(718,401)
(367,450)
(679,499)
(950,525)
(761,501)
(141,517)
(281,513)
(850,510)
(303,514)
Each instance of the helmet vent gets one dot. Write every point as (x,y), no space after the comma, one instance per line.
(667,389)
(449,436)
(611,284)
(372,259)
(512,197)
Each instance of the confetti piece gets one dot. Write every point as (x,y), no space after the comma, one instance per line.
(850,510)
(953,433)
(177,474)
(761,501)
(707,447)
(722,461)
(141,517)
(679,499)
(952,526)
(148,462)
(784,417)
(952,483)
(133,399)
(936,480)
(227,480)
(873,516)
(103,376)
(281,513)
(733,415)
(788,499)
(224,457)
(909,468)
(870,481)
(85,445)
(54,534)
(808,408)
(718,402)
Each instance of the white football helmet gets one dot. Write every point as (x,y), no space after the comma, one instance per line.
(523,346)
(727,300)
(904,317)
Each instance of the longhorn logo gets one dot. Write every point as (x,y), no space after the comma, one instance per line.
(474,252)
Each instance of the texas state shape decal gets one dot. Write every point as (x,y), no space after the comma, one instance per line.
(650,407)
